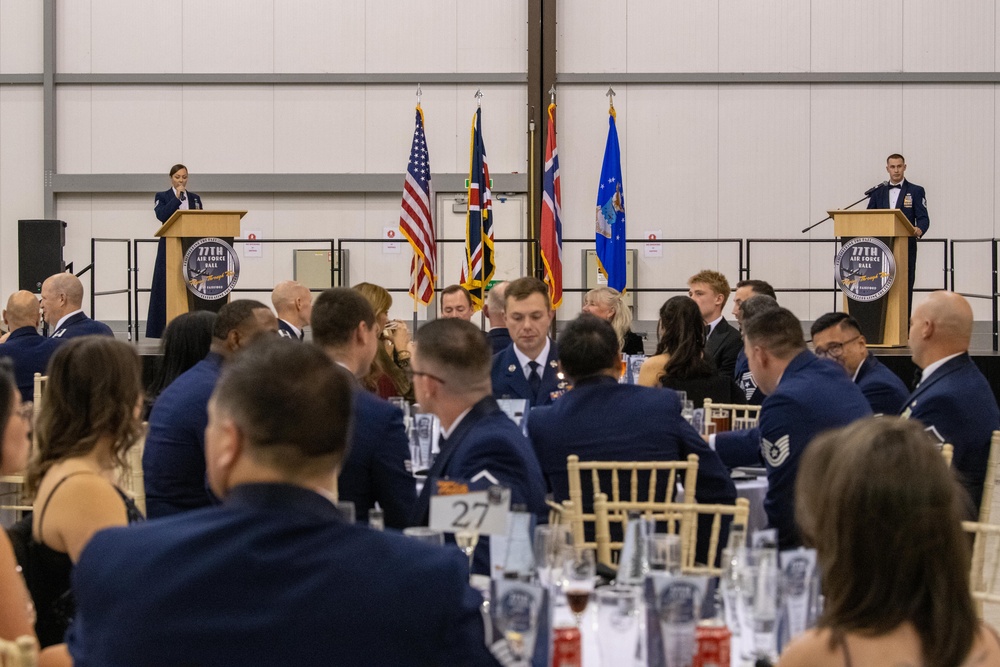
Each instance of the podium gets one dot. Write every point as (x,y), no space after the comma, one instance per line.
(871,270)
(181,230)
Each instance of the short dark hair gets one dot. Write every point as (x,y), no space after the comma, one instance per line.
(896,156)
(588,345)
(758,303)
(292,402)
(522,288)
(854,514)
(177,167)
(232,315)
(758,287)
(778,331)
(828,320)
(455,289)
(336,315)
(458,349)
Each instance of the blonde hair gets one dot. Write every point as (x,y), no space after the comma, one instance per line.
(377,296)
(621,320)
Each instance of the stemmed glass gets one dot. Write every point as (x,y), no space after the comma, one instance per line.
(467,539)
(579,571)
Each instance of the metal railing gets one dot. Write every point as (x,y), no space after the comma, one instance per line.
(993,282)
(92,268)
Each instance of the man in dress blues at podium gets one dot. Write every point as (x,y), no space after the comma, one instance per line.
(62,308)
(529,367)
(909,198)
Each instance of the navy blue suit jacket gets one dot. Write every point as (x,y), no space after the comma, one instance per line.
(173,462)
(81,325)
(375,469)
(724,345)
(814,395)
(916,213)
(29,351)
(885,392)
(509,380)
(165,204)
(487,439)
(499,338)
(285,330)
(957,403)
(272,576)
(744,378)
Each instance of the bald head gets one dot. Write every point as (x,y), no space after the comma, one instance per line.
(22,310)
(494,305)
(62,293)
(293,302)
(940,326)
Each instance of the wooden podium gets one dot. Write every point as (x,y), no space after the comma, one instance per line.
(884,321)
(189,226)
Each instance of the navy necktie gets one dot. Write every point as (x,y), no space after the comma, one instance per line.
(534,379)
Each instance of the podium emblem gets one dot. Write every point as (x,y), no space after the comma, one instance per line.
(211,268)
(865,269)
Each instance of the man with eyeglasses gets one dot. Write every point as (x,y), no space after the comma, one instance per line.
(838,336)
(479,443)
(344,325)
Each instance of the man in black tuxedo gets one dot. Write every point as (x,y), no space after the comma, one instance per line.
(909,198)
(710,290)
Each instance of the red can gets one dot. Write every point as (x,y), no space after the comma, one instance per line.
(713,645)
(566,649)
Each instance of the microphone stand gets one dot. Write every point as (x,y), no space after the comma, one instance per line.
(830,216)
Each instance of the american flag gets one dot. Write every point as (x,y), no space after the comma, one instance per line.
(415,217)
(551,222)
(479,267)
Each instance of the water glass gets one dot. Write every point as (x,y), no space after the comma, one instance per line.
(665,552)
(425,534)
(550,541)
(619,612)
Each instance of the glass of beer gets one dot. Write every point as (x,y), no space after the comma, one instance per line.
(578,574)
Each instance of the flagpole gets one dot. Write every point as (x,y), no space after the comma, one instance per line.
(413,263)
(531,192)
(482,229)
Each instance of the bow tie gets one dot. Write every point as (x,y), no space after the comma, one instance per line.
(897,186)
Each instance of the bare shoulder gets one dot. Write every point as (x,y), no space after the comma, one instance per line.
(810,649)
(651,370)
(79,507)
(985,650)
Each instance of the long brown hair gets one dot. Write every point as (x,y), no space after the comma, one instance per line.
(683,338)
(383,364)
(884,512)
(93,388)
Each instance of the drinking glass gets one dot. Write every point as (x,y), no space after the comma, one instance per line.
(550,540)
(579,570)
(618,619)
(665,553)
(467,539)
(346,509)
(425,534)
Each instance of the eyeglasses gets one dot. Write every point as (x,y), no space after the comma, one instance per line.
(411,373)
(834,350)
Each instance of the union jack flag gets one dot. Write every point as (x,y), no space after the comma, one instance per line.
(551,221)
(479,264)
(415,217)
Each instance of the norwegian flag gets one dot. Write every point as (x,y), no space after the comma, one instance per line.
(551,223)
(415,216)
(479,266)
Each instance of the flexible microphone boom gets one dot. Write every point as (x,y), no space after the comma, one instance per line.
(876,187)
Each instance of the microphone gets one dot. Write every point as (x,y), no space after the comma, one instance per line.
(184,195)
(876,187)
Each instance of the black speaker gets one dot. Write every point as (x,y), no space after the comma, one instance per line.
(39,252)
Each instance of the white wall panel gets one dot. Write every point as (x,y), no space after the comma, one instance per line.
(763,36)
(229,129)
(20,172)
(74,129)
(319,129)
(73,37)
(492,36)
(77,211)
(414,36)
(949,36)
(505,127)
(319,36)
(20,36)
(856,36)
(136,129)
(228,35)
(389,113)
(129,36)
(591,35)
(673,36)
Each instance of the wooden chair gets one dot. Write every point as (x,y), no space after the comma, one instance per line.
(22,652)
(947,452)
(990,481)
(574,510)
(130,477)
(680,518)
(985,571)
(738,417)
